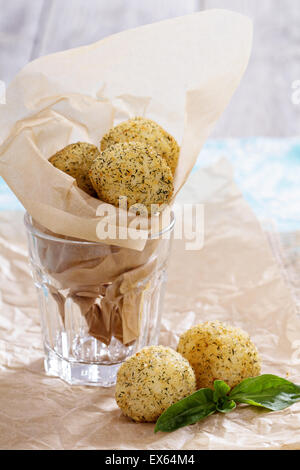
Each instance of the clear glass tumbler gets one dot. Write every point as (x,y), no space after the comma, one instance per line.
(99,303)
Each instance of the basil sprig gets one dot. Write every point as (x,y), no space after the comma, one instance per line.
(267,391)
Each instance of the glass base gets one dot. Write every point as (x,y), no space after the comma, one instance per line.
(80,373)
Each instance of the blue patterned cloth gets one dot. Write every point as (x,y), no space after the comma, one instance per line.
(266,170)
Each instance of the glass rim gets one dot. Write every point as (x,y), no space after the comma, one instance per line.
(40,234)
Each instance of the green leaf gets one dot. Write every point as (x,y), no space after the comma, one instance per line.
(188,411)
(221,389)
(225,405)
(267,391)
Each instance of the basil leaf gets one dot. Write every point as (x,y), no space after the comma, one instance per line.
(225,405)
(267,391)
(190,410)
(221,389)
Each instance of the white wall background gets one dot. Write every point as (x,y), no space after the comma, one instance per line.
(261,106)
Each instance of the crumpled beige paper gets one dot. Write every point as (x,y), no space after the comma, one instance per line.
(233,279)
(181,72)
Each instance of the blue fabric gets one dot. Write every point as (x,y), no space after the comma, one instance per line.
(8,201)
(266,170)
(268,173)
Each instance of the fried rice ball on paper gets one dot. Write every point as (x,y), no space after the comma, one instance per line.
(133,170)
(219,352)
(151,381)
(147,132)
(76,160)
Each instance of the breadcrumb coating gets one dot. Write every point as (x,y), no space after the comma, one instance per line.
(147,132)
(76,160)
(219,352)
(151,381)
(133,170)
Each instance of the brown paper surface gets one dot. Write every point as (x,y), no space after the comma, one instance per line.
(233,279)
(181,73)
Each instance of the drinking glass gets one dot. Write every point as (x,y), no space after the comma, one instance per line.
(82,322)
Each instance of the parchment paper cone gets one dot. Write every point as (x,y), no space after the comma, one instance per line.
(181,73)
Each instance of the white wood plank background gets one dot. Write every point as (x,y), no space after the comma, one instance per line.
(261,106)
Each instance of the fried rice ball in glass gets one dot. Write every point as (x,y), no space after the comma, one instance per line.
(147,132)
(219,352)
(134,170)
(151,381)
(76,160)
